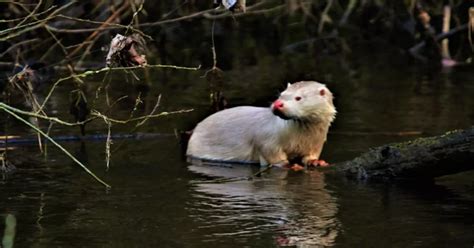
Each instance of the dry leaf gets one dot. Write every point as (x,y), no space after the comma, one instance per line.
(126,51)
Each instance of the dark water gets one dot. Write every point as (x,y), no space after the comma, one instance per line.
(158,200)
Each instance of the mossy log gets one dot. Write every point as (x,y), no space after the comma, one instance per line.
(422,158)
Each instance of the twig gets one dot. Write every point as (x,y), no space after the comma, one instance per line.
(414,49)
(96,113)
(108,141)
(33,25)
(17,45)
(347,12)
(94,34)
(134,16)
(324,16)
(58,42)
(255,12)
(144,119)
(471,26)
(151,113)
(45,150)
(213,50)
(205,13)
(114,25)
(158,23)
(214,55)
(21,18)
(446,24)
(109,69)
(57,145)
(32,13)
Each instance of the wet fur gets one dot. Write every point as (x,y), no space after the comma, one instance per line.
(250,134)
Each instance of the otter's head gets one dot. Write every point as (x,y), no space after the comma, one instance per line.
(307,101)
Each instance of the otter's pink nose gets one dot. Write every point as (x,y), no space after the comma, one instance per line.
(278,104)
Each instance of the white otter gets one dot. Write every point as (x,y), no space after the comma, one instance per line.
(295,126)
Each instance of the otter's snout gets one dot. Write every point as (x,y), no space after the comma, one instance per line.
(277,109)
(278,104)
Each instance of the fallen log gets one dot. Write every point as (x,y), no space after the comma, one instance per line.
(423,158)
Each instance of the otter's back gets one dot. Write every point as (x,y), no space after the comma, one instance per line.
(229,134)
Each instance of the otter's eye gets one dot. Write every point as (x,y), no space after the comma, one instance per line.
(298,98)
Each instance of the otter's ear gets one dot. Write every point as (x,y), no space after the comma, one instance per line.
(288,85)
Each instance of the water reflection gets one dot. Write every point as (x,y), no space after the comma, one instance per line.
(279,204)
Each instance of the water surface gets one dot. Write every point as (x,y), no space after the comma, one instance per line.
(158,200)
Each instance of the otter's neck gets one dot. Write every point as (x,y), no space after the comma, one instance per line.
(316,120)
(308,125)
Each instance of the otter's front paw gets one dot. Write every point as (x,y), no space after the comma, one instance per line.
(281,164)
(296,167)
(317,163)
